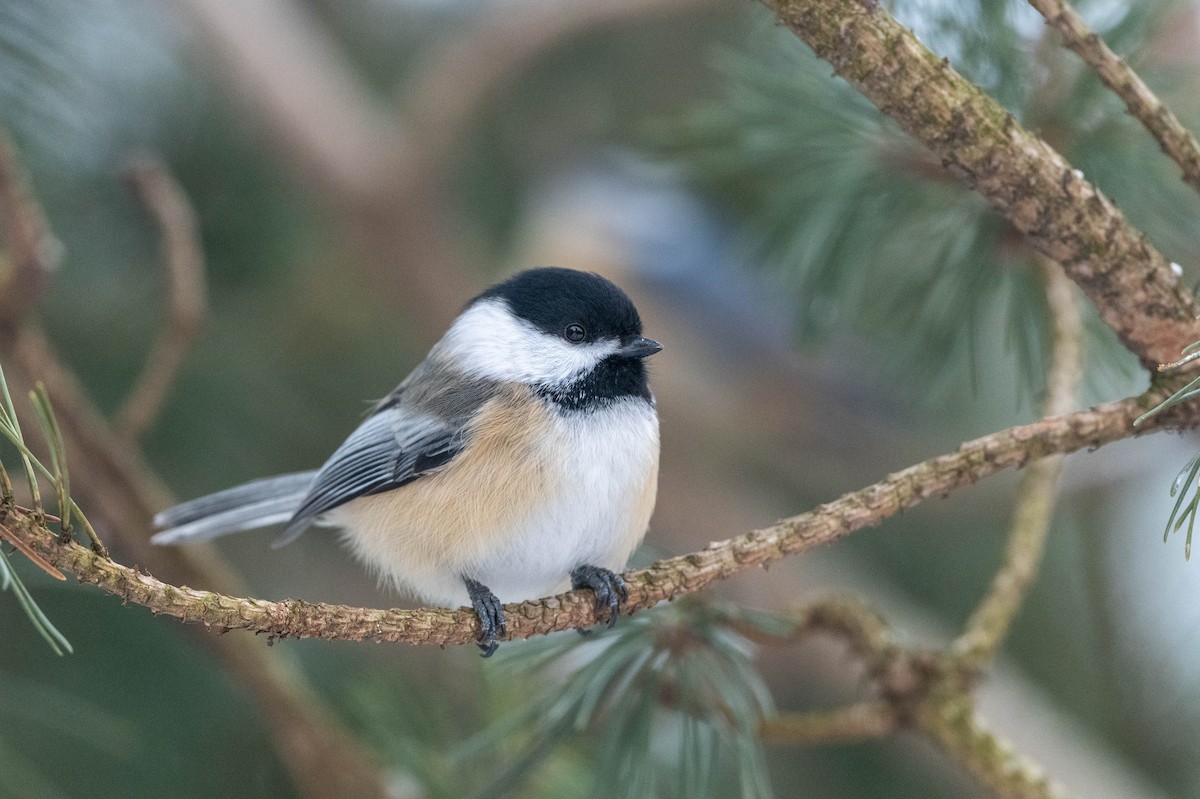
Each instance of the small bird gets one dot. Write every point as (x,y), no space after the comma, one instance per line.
(522,452)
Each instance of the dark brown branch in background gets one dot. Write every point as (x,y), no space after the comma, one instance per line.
(1026,181)
(187,306)
(1145,106)
(122,494)
(30,250)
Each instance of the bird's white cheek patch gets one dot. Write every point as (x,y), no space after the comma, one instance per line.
(487,341)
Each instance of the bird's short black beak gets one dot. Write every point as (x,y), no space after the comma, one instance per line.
(640,347)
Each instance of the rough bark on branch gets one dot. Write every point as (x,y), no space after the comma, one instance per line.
(665,580)
(1031,185)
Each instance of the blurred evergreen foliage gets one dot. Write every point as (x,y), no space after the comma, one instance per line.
(666,704)
(865,230)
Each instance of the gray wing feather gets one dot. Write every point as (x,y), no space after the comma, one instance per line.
(414,431)
(255,504)
(389,449)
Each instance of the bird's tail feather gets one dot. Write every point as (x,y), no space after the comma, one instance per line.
(255,504)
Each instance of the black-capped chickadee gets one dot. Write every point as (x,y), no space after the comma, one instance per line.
(521,452)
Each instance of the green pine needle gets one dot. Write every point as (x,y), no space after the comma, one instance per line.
(1187,488)
(668,704)
(11,582)
(58,452)
(10,428)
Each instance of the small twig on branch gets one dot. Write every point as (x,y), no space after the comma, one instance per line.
(845,616)
(922,690)
(868,636)
(853,621)
(1174,139)
(28,552)
(858,722)
(187,307)
(665,580)
(1038,490)
(1026,181)
(31,250)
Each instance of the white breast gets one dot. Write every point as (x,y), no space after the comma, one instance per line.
(608,460)
(585,493)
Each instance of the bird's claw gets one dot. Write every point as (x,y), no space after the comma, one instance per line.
(491,616)
(609,587)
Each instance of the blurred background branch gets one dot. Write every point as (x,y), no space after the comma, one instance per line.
(122,493)
(1174,139)
(31,252)
(187,303)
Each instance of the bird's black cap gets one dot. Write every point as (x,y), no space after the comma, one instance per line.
(551,298)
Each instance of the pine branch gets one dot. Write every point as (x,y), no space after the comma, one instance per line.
(1063,215)
(1174,139)
(929,691)
(932,690)
(665,580)
(30,249)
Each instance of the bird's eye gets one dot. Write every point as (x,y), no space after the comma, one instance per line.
(574,333)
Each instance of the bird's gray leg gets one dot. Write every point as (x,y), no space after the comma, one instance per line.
(491,615)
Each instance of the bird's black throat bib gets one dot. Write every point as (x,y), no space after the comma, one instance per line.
(613,378)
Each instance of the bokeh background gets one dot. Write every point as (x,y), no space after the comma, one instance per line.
(833,307)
